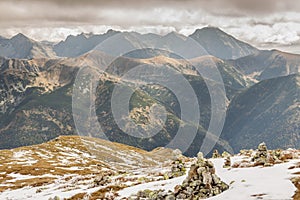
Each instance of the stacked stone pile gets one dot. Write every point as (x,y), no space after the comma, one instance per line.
(201,182)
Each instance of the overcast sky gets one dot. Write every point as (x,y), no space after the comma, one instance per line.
(263,23)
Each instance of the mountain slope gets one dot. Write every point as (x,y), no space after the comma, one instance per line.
(21,46)
(45,111)
(220,44)
(268,111)
(71,167)
(268,64)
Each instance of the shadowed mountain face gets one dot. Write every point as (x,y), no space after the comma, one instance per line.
(268,64)
(268,111)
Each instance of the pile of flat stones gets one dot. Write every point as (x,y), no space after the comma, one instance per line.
(216,154)
(178,169)
(264,157)
(227,163)
(201,182)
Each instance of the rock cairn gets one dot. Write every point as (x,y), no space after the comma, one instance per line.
(225,154)
(201,182)
(261,156)
(227,163)
(216,154)
(178,167)
(264,157)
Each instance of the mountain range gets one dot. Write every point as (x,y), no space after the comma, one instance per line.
(261,88)
(211,40)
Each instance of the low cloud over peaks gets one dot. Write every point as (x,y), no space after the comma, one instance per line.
(258,22)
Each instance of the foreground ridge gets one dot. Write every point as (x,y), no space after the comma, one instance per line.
(65,168)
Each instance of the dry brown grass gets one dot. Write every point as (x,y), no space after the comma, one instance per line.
(79,196)
(100,194)
(49,160)
(44,165)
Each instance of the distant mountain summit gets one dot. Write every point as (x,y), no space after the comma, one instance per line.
(22,47)
(222,45)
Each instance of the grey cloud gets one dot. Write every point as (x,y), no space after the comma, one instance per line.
(95,11)
(262,6)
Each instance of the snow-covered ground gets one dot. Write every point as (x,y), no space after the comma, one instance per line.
(64,168)
(264,182)
(156,185)
(272,183)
